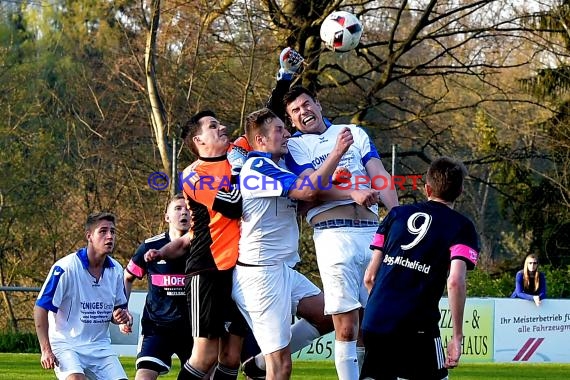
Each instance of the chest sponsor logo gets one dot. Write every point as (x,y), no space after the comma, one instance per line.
(167,280)
(92,312)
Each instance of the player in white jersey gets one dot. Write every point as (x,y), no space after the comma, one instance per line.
(343,228)
(83,292)
(265,287)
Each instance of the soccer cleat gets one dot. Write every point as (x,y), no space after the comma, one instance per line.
(251,370)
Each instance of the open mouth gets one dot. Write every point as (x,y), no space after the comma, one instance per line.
(109,245)
(183,221)
(308,119)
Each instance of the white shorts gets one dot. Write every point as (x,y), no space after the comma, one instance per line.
(342,256)
(100,364)
(268,296)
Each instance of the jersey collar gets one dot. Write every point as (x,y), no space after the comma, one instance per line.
(256,153)
(214,159)
(82,254)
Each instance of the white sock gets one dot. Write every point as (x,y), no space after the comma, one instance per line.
(345,360)
(302,334)
(260,361)
(360,355)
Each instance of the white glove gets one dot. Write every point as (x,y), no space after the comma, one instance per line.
(236,156)
(290,62)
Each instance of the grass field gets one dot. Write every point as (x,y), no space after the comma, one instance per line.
(27,367)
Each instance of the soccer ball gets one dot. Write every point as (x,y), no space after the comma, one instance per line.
(341,31)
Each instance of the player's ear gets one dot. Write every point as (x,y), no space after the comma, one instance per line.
(258,140)
(196,140)
(318,104)
(428,190)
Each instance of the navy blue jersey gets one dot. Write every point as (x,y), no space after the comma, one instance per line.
(165,307)
(418,242)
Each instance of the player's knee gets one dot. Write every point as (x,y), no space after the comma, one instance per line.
(76,376)
(230,357)
(346,332)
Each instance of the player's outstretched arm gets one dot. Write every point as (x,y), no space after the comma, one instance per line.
(456,291)
(48,359)
(176,248)
(290,63)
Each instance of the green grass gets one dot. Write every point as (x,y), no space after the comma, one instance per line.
(27,367)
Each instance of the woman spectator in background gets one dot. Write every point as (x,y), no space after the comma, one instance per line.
(530,284)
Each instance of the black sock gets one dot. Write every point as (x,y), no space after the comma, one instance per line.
(224,373)
(187,372)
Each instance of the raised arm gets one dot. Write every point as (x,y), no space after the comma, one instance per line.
(290,63)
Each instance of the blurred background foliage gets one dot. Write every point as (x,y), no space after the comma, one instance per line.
(93,94)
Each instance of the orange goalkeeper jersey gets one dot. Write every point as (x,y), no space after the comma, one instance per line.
(216,212)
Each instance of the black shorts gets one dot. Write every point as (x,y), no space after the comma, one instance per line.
(157,349)
(413,356)
(213,313)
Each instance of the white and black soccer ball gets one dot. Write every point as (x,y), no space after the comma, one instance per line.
(341,31)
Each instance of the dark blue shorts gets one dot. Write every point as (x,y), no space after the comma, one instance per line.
(413,356)
(156,351)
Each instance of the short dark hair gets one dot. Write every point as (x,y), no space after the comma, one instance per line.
(294,92)
(445,176)
(192,128)
(94,218)
(255,123)
(174,198)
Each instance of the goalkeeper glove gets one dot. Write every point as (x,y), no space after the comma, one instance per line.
(236,156)
(290,62)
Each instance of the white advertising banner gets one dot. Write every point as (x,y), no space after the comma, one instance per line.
(126,344)
(526,333)
(495,330)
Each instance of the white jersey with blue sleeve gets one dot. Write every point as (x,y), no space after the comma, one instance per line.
(309,151)
(269,230)
(79,306)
